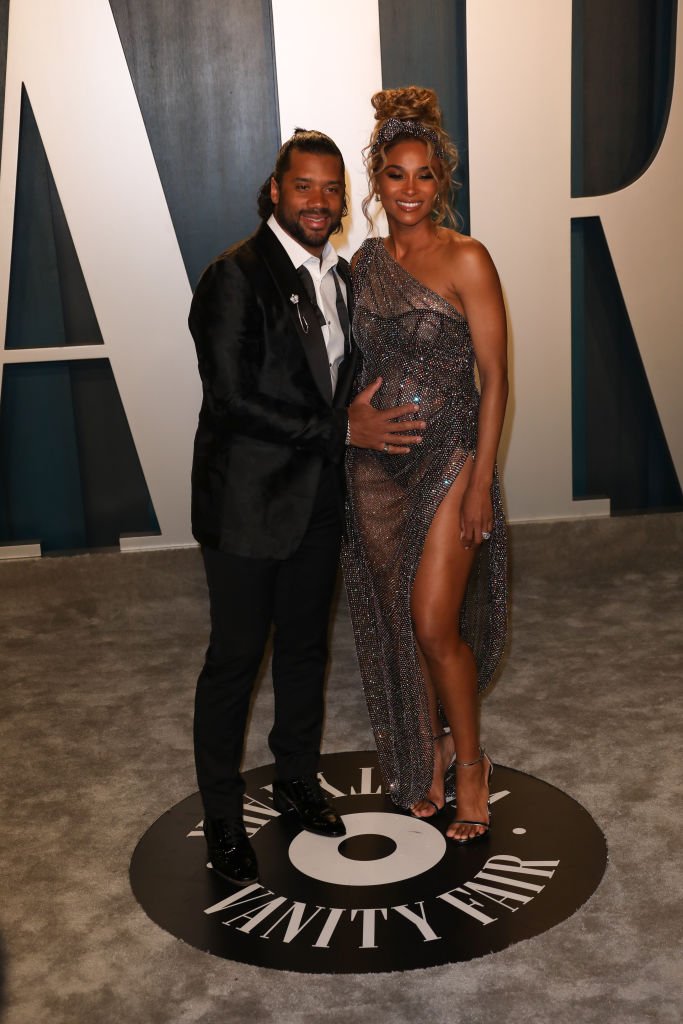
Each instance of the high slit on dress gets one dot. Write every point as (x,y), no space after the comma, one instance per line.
(421,347)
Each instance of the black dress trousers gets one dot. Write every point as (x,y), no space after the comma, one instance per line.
(247,596)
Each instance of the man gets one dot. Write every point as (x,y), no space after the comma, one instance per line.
(270,320)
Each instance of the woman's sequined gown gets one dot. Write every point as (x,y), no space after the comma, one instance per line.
(420,345)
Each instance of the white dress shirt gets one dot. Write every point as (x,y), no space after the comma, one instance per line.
(321,271)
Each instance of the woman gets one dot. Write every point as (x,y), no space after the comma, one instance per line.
(425,553)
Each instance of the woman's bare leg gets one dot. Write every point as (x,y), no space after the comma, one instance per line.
(443,750)
(437,597)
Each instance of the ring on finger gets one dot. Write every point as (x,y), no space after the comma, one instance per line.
(385,446)
(485,535)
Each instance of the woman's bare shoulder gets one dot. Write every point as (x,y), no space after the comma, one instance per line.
(463,247)
(468,256)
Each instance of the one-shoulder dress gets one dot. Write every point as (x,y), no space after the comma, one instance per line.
(421,347)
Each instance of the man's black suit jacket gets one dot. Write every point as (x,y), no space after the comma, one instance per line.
(267,422)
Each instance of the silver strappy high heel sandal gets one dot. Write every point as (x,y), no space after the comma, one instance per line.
(486,825)
(426,799)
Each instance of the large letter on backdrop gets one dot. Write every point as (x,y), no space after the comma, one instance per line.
(627,254)
(68,56)
(519,89)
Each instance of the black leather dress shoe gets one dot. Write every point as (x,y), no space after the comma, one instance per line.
(230,851)
(306,799)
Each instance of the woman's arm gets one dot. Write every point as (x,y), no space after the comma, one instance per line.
(480,292)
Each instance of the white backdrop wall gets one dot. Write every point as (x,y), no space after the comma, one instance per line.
(519,94)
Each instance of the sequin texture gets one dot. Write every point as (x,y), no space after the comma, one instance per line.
(420,345)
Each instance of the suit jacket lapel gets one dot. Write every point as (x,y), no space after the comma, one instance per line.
(289,284)
(345,274)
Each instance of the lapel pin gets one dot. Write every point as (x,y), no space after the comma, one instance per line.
(294,299)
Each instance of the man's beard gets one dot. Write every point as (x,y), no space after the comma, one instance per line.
(294,228)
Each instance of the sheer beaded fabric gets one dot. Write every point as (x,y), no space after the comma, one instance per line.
(420,345)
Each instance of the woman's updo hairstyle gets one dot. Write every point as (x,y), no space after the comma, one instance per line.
(411,113)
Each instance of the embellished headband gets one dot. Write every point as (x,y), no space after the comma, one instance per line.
(393,127)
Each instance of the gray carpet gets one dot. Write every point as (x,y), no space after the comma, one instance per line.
(99,658)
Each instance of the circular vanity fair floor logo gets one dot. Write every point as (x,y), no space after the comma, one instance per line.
(393,894)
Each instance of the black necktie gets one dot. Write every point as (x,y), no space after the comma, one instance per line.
(342,312)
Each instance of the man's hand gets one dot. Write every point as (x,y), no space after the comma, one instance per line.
(377,428)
